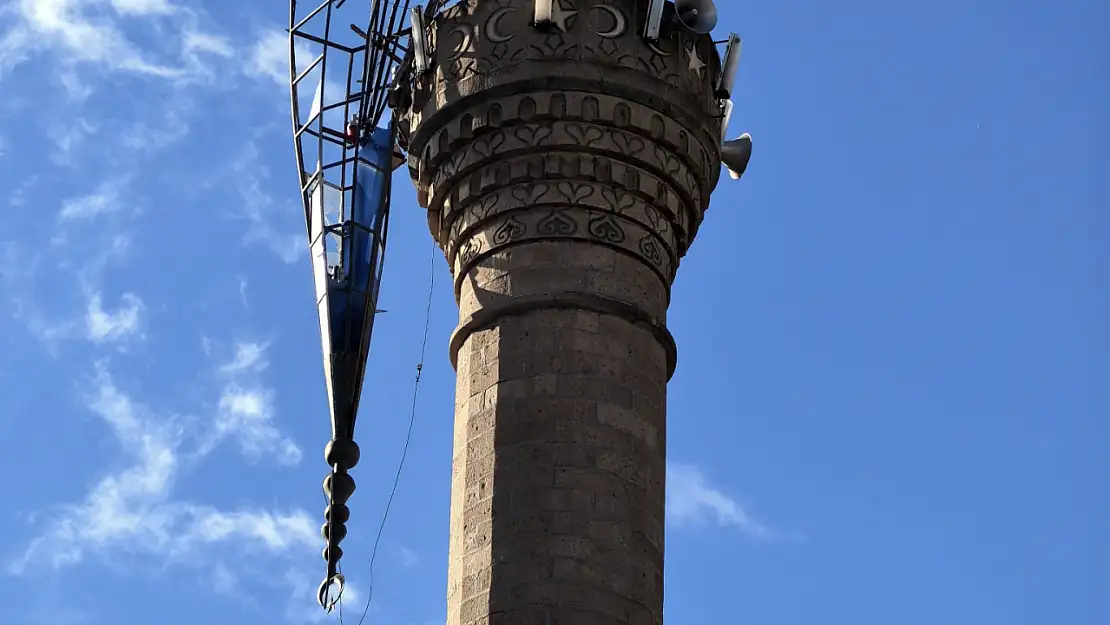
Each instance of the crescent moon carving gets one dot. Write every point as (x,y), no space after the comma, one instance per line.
(493,33)
(620,23)
(654,47)
(466,31)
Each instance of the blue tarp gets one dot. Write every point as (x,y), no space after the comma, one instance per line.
(348,295)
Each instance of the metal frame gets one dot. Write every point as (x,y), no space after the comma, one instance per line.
(328,141)
(327,157)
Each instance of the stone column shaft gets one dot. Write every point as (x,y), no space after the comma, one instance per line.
(565,172)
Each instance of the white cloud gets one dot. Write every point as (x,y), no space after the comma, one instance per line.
(80,37)
(143,7)
(15,44)
(247,415)
(248,357)
(17,198)
(245,410)
(100,62)
(139,505)
(170,125)
(692,500)
(256,207)
(77,90)
(106,199)
(81,32)
(268,60)
(133,510)
(269,57)
(408,557)
(196,42)
(243,293)
(103,326)
(68,137)
(96,319)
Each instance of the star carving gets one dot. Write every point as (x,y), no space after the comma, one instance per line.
(559,15)
(696,64)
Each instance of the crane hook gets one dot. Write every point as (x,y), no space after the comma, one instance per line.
(323,595)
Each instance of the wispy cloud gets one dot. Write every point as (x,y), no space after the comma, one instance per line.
(82,32)
(103,326)
(105,199)
(408,557)
(143,7)
(133,510)
(15,44)
(249,357)
(693,501)
(256,207)
(81,37)
(268,61)
(17,198)
(269,57)
(169,125)
(195,43)
(245,410)
(96,321)
(76,89)
(69,136)
(79,251)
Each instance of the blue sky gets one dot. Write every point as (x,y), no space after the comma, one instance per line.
(891,403)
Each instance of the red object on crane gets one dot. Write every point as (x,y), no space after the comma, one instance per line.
(352,131)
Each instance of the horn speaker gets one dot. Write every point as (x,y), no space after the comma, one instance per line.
(735,155)
(698,16)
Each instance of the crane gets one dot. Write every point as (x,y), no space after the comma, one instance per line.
(347,145)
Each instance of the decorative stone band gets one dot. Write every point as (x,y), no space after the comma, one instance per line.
(488,317)
(578,151)
(562,194)
(566,178)
(543,133)
(577,138)
(562,222)
(697,150)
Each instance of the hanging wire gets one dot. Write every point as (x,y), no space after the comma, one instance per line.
(408,437)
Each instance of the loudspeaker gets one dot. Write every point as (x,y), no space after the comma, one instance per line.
(654,23)
(421,47)
(698,16)
(735,155)
(729,64)
(543,14)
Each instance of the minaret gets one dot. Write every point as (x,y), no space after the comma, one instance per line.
(565,167)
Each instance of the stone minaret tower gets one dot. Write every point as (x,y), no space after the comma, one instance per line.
(565,168)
